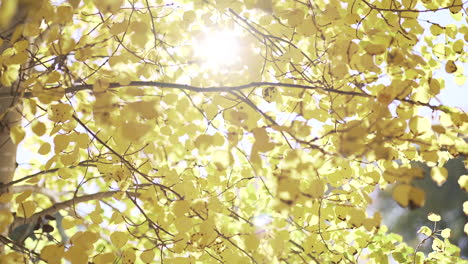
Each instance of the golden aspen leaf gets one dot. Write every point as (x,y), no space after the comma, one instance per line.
(69,158)
(74,3)
(375,49)
(434,217)
(26,209)
(417,198)
(31,29)
(20,198)
(465,228)
(18,58)
(53,77)
(82,140)
(419,125)
(317,188)
(7,12)
(460,79)
(76,255)
(265,5)
(221,159)
(450,66)
(17,134)
(463,182)
(128,256)
(180,208)
(425,231)
(295,17)
(446,233)
(434,86)
(44,148)
(436,29)
(6,197)
(117,218)
(108,6)
(146,109)
(401,194)
(202,142)
(38,128)
(64,173)
(135,131)
(119,239)
(465,207)
(458,46)
(439,175)
(60,112)
(183,224)
(52,254)
(456,6)
(63,15)
(251,242)
(61,142)
(189,16)
(21,45)
(68,222)
(104,258)
(147,256)
(118,28)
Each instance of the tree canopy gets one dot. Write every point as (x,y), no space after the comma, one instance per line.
(224,131)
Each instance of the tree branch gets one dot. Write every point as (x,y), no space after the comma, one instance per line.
(84,87)
(60,206)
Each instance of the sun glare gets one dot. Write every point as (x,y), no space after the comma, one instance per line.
(219,48)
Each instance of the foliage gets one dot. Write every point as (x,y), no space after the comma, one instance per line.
(406,222)
(146,152)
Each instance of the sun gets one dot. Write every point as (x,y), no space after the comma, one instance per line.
(219,48)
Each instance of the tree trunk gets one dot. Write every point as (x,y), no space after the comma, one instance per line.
(10,112)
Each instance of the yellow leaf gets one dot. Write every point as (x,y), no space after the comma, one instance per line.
(76,255)
(128,255)
(104,258)
(44,149)
(26,209)
(445,233)
(419,125)
(134,131)
(439,175)
(61,142)
(147,256)
(401,194)
(52,254)
(450,66)
(458,46)
(108,6)
(434,217)
(425,231)
(465,207)
(20,198)
(17,134)
(7,12)
(68,222)
(118,28)
(463,182)
(38,128)
(417,198)
(6,197)
(251,242)
(60,112)
(119,239)
(317,188)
